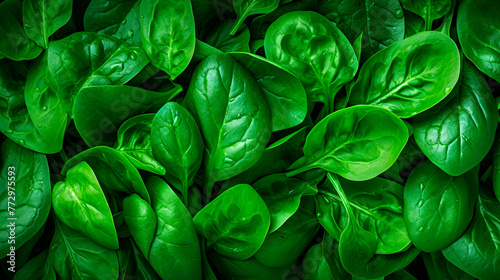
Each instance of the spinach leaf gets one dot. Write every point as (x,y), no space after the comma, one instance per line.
(410,76)
(44,17)
(282,196)
(284,93)
(177,144)
(357,247)
(141,220)
(477,37)
(377,205)
(429,10)
(75,256)
(437,206)
(233,116)
(134,142)
(175,249)
(44,106)
(313,49)
(15,120)
(24,195)
(113,170)
(381,22)
(245,8)
(169,49)
(32,269)
(16,45)
(118,104)
(120,19)
(234,224)
(284,246)
(79,203)
(73,66)
(480,242)
(357,143)
(458,132)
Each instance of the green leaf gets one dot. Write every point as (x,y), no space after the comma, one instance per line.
(15,45)
(175,249)
(235,224)
(168,34)
(357,143)
(79,203)
(437,206)
(115,173)
(457,133)
(75,256)
(477,251)
(314,50)
(177,144)
(44,17)
(73,67)
(233,115)
(25,190)
(135,143)
(381,22)
(409,76)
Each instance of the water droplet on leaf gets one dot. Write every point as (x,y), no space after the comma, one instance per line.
(420,203)
(133,56)
(399,13)
(236,251)
(22,142)
(176,122)
(44,108)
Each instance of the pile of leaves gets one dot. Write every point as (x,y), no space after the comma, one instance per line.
(250,139)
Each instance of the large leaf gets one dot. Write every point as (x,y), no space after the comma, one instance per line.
(25,194)
(409,76)
(168,34)
(458,132)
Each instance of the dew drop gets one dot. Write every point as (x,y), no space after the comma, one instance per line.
(420,203)
(352,60)
(291,191)
(421,229)
(44,108)
(447,89)
(319,215)
(117,67)
(236,251)
(239,115)
(399,13)
(421,187)
(133,56)
(22,142)
(40,182)
(176,122)
(232,99)
(39,125)
(27,25)
(124,21)
(10,131)
(37,89)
